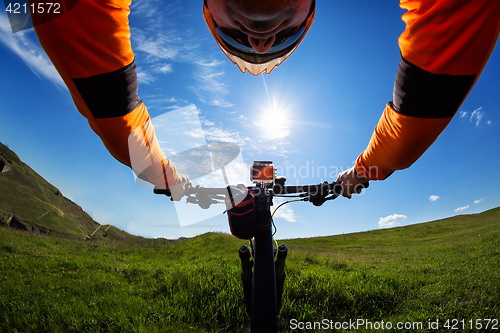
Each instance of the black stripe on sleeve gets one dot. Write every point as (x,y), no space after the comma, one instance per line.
(111,94)
(422,94)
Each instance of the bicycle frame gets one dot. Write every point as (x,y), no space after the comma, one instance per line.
(263,278)
(264,298)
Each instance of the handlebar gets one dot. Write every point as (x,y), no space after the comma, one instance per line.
(310,189)
(204,197)
(317,194)
(277,189)
(194,190)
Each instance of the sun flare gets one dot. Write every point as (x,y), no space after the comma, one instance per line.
(275,120)
(278,117)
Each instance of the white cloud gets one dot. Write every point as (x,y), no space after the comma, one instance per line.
(214,133)
(178,44)
(459,209)
(433,198)
(157,47)
(476,116)
(391,221)
(165,68)
(285,212)
(30,52)
(149,9)
(236,172)
(478,201)
(157,103)
(144,77)
(211,88)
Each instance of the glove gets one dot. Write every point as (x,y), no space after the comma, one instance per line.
(176,192)
(351,182)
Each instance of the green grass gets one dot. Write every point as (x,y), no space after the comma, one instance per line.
(447,269)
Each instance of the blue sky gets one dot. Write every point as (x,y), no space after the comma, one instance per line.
(327,96)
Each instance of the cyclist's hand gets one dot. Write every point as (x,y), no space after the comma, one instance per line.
(351,182)
(177,190)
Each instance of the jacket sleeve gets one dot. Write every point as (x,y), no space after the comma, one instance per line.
(90,47)
(444,48)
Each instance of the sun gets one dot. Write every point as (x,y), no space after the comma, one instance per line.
(275,119)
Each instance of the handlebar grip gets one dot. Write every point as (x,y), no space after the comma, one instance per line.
(162,191)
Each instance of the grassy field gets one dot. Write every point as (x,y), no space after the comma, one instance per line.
(424,273)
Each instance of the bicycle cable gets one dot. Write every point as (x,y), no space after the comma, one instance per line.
(272,220)
(296,200)
(276,244)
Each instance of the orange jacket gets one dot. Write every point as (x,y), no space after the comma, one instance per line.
(89,44)
(443,51)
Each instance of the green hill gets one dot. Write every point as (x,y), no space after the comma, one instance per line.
(443,273)
(29,202)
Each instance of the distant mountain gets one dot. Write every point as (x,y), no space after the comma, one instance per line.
(28,202)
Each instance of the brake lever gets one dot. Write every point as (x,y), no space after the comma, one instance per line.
(204,202)
(332,197)
(319,199)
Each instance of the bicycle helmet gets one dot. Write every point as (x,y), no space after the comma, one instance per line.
(242,54)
